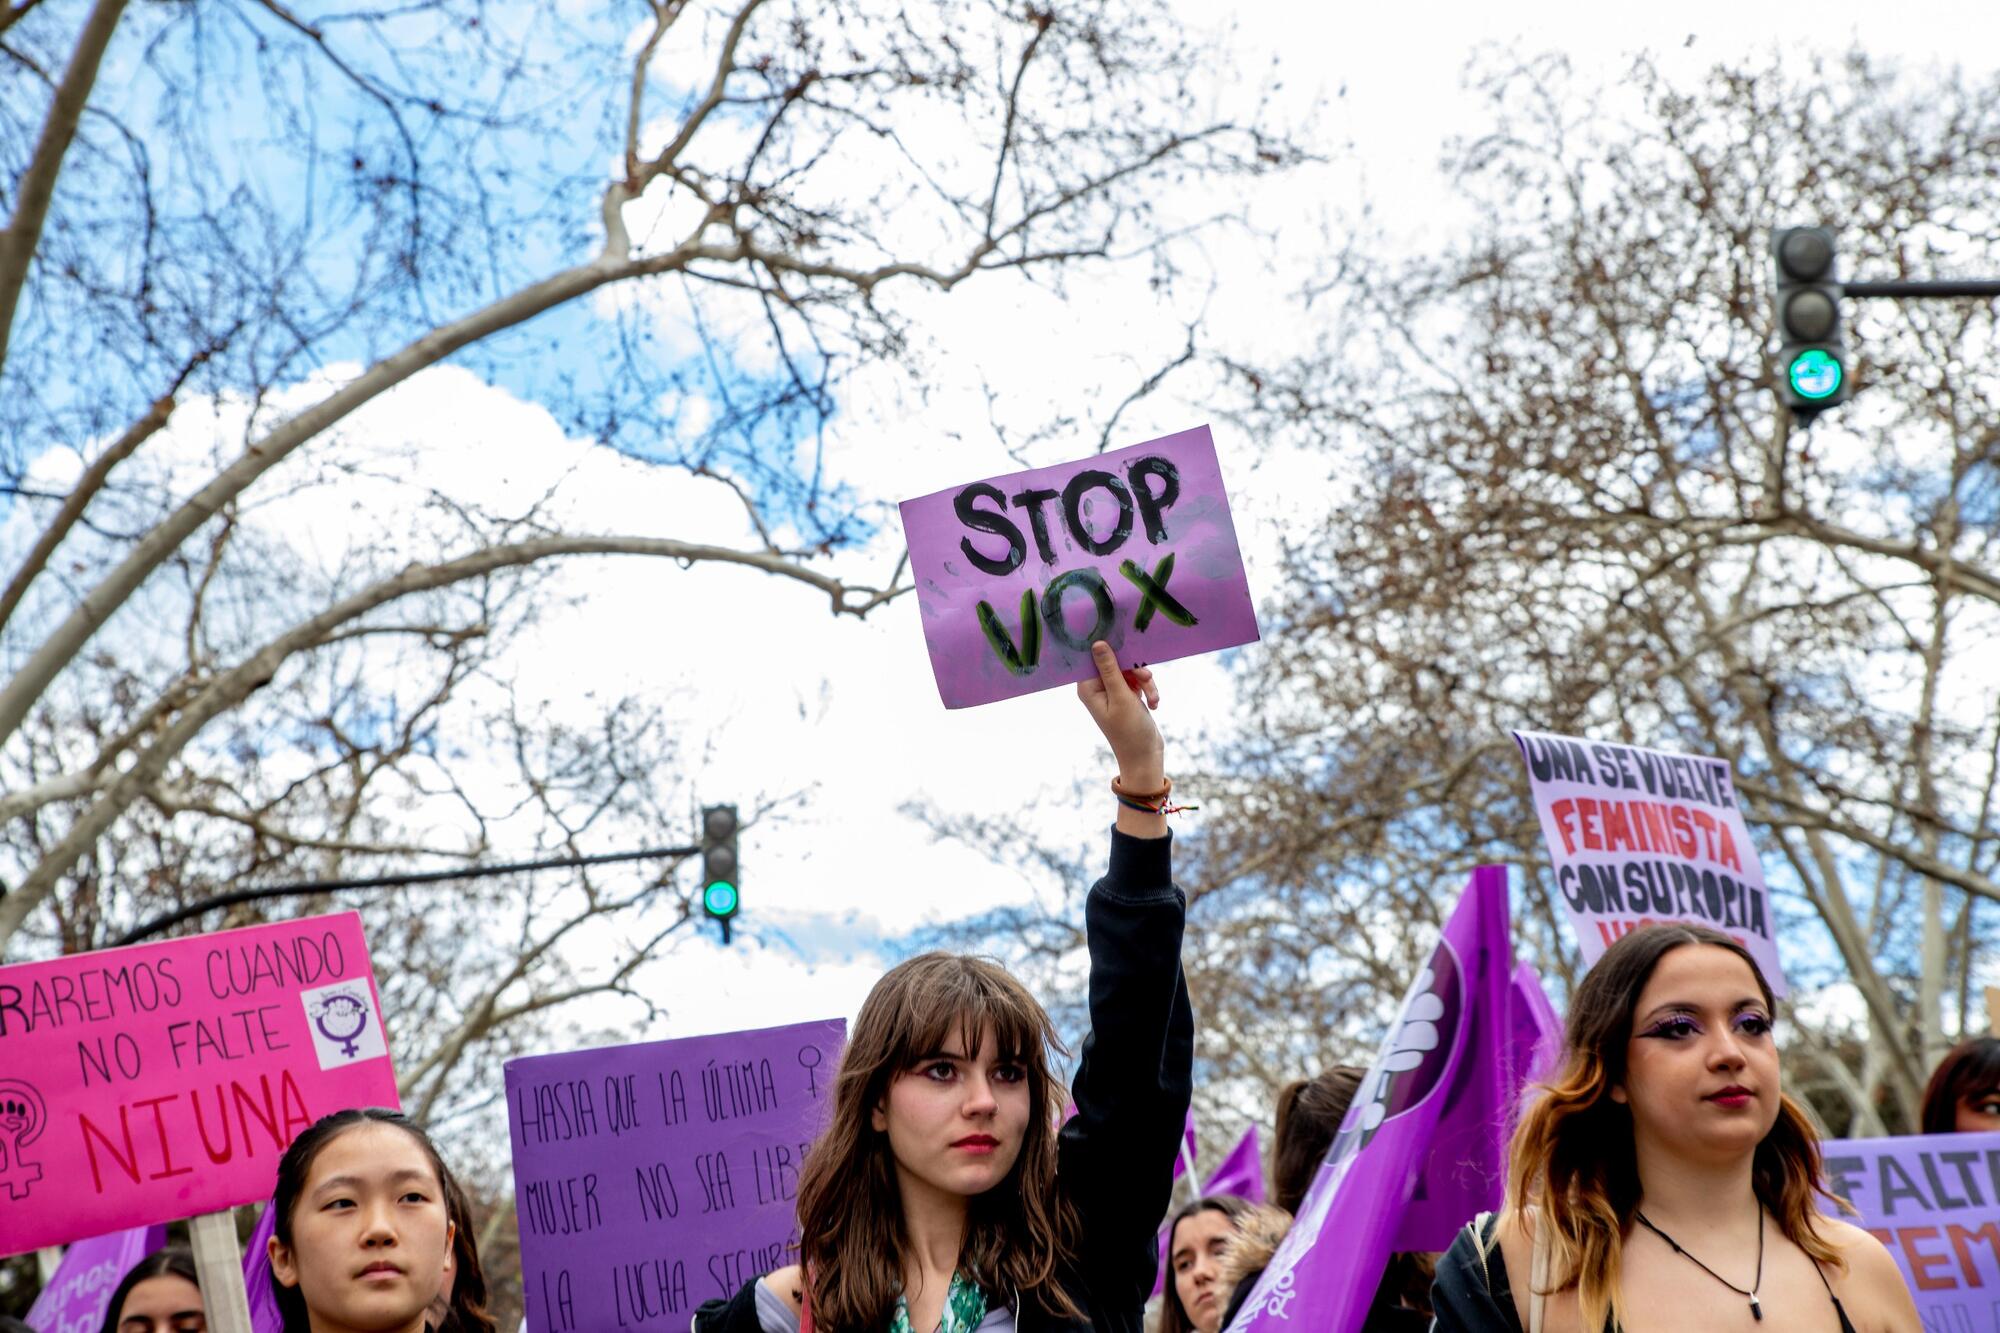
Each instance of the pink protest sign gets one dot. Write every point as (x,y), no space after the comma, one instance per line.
(164,1080)
(1017,575)
(1638,836)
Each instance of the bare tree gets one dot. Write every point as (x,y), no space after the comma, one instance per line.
(284,213)
(1575,506)
(1561,496)
(235,230)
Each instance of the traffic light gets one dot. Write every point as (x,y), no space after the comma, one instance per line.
(719,897)
(1812,361)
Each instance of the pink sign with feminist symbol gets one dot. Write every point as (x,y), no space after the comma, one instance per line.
(1017,575)
(165,1080)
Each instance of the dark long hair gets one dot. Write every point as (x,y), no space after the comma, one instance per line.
(1174,1315)
(296,1165)
(465,1306)
(1309,1114)
(1572,1156)
(1970,1071)
(1018,1234)
(173,1261)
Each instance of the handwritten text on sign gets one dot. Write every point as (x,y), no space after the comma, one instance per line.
(1935,1202)
(1018,575)
(650,1178)
(155,1082)
(1638,836)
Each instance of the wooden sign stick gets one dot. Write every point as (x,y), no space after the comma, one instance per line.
(218,1266)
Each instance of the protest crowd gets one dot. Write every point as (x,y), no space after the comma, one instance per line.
(447,448)
(1636,1166)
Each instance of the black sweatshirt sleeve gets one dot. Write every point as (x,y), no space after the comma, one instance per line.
(736,1315)
(1133,1078)
(1472,1293)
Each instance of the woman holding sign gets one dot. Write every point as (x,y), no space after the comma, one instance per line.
(934,1201)
(1663,1180)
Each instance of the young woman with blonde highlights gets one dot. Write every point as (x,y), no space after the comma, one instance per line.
(946,1194)
(1664,1181)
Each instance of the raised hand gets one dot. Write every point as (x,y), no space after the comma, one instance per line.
(1121,703)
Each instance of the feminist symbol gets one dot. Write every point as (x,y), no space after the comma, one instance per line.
(23,1117)
(342,1009)
(811,1066)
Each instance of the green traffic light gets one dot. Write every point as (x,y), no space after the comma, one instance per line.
(1815,374)
(719,898)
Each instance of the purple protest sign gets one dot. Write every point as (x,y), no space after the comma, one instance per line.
(650,1178)
(1452,1046)
(1017,575)
(1933,1200)
(78,1296)
(1638,836)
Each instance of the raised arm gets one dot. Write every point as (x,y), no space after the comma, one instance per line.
(1135,1074)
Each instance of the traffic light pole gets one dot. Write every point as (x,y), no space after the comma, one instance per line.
(174,918)
(1969,287)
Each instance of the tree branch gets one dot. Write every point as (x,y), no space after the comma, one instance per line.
(228,689)
(37,185)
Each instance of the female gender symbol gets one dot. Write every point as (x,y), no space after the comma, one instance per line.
(342,1007)
(812,1078)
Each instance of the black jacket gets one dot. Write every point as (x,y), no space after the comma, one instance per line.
(1133,1081)
(1472,1293)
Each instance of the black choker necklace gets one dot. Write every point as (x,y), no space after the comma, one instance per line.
(1756,1310)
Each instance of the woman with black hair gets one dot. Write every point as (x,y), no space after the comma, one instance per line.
(1964,1092)
(158,1295)
(362,1231)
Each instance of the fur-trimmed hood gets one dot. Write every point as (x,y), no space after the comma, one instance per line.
(1258,1235)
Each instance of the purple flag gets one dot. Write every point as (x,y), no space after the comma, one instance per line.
(265,1316)
(75,1298)
(1423,1145)
(1242,1172)
(1184,1164)
(1538,1033)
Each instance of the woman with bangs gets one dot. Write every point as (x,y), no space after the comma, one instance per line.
(1664,1181)
(947,1194)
